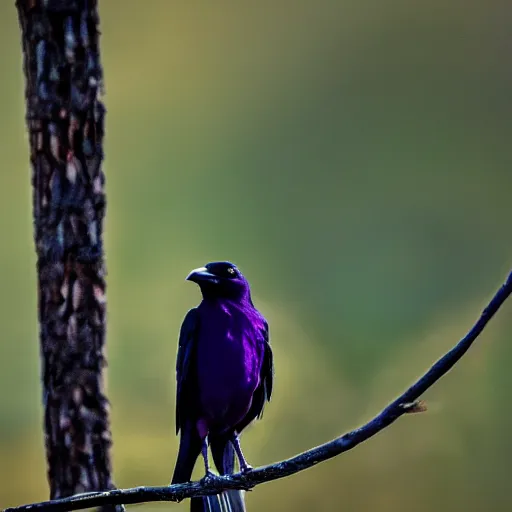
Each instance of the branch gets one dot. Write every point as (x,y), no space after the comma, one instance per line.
(406,403)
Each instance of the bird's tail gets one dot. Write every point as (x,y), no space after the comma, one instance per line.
(228,501)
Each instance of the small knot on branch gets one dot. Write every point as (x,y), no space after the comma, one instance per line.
(414,407)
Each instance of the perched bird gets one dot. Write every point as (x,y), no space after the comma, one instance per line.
(224,374)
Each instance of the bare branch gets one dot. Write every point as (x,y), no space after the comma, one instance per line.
(404,404)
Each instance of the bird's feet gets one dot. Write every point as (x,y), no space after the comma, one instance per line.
(210,477)
(245,468)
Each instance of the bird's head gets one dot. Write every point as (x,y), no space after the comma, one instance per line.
(220,279)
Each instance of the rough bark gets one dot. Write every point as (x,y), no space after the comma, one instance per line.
(65,121)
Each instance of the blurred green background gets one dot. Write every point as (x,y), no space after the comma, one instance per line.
(353,157)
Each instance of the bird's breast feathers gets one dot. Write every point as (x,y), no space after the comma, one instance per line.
(231,347)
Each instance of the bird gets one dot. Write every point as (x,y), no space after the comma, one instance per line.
(224,378)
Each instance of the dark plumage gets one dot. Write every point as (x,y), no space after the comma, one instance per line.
(224,374)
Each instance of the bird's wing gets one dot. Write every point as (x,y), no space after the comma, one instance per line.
(263,392)
(267,368)
(186,352)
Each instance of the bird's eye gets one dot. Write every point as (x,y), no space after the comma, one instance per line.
(231,270)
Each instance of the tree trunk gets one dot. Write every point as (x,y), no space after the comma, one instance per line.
(65,121)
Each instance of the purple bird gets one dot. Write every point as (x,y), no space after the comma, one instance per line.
(224,374)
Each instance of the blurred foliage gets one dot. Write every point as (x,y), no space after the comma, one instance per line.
(353,158)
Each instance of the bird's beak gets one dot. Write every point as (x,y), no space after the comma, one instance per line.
(201,274)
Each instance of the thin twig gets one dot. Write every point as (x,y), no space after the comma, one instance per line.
(406,403)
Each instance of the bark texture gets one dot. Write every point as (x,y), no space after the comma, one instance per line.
(65,121)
